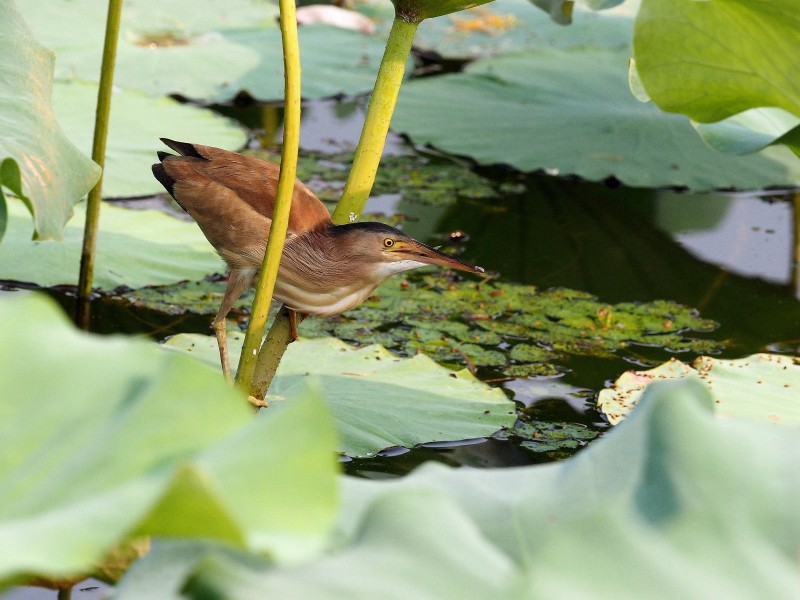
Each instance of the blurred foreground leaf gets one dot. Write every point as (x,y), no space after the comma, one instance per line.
(105,438)
(629,516)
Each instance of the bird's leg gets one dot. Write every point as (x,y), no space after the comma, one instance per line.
(292,323)
(237,282)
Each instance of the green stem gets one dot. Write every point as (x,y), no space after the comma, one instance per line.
(280,217)
(376,126)
(359,182)
(98,156)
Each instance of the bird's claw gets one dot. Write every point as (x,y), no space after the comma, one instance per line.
(257,402)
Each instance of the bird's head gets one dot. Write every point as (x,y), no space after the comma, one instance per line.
(389,250)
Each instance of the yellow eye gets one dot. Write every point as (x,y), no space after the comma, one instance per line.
(388,243)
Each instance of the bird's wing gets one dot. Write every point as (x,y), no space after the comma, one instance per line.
(253,180)
(237,232)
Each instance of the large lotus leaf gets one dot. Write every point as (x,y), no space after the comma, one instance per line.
(104,437)
(134,248)
(137,121)
(712,60)
(55,175)
(511,25)
(762,387)
(752,130)
(571,112)
(673,503)
(379,400)
(203,50)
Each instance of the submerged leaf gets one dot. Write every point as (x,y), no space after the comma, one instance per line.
(520,330)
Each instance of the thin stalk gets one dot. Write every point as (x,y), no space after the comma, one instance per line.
(359,182)
(283,202)
(65,593)
(376,126)
(796,240)
(272,350)
(98,156)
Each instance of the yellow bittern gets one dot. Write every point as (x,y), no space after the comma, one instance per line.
(325,269)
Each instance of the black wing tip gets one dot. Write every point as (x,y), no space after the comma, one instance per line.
(164,179)
(182,148)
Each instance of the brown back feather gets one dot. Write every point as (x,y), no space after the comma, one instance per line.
(253,180)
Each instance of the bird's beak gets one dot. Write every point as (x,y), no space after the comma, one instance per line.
(414,250)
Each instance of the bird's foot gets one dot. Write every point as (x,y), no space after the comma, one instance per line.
(257,402)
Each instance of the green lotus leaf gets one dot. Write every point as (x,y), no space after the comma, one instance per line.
(641,491)
(104,438)
(55,175)
(570,112)
(762,387)
(134,248)
(203,49)
(713,60)
(133,139)
(752,130)
(379,400)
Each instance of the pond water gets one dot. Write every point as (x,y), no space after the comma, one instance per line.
(729,255)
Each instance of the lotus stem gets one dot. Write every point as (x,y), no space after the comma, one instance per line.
(376,126)
(359,182)
(83,308)
(283,203)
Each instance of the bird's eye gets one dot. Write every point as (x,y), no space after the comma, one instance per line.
(388,243)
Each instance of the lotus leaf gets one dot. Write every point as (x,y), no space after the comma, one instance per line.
(712,60)
(571,112)
(629,516)
(134,248)
(762,387)
(203,50)
(55,175)
(105,438)
(379,400)
(752,130)
(136,123)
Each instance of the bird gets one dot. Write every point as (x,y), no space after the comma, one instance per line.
(325,269)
